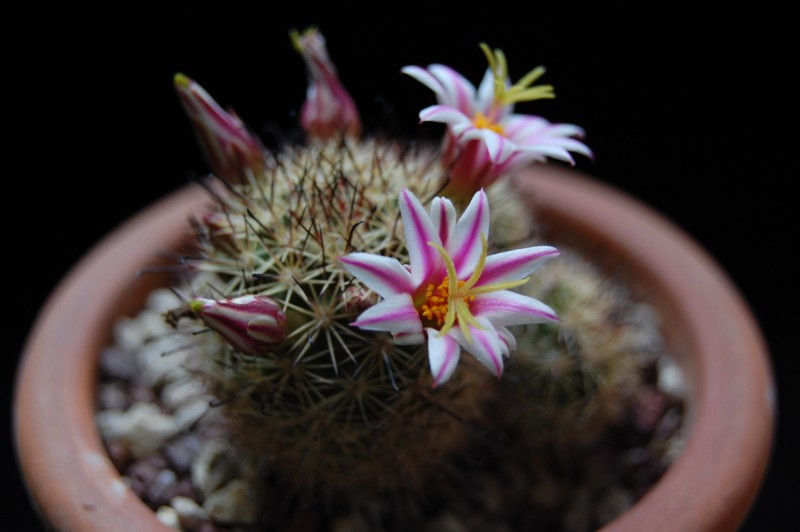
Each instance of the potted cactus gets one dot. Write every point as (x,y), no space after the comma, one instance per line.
(363,335)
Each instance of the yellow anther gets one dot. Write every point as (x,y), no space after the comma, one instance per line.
(481,121)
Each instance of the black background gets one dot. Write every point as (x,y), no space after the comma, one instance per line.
(685,112)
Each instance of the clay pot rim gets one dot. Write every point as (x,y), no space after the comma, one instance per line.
(732,400)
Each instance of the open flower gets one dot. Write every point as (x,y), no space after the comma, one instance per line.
(229,147)
(452,292)
(485,138)
(328,110)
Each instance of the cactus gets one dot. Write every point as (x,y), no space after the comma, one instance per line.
(326,389)
(578,378)
(331,292)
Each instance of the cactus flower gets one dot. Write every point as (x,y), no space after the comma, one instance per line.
(251,324)
(229,147)
(452,292)
(328,110)
(485,138)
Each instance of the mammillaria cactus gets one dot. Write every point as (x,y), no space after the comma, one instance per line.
(335,285)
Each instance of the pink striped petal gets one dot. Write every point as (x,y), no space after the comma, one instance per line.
(460,92)
(485,345)
(465,246)
(486,92)
(443,217)
(500,147)
(419,231)
(508,339)
(520,127)
(395,314)
(423,76)
(383,275)
(505,307)
(515,264)
(445,115)
(443,355)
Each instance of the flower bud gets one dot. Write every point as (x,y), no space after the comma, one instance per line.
(251,324)
(229,147)
(328,110)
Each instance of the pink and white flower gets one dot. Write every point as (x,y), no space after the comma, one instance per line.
(485,138)
(328,110)
(231,150)
(419,300)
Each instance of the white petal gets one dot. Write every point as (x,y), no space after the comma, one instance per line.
(500,147)
(515,264)
(486,92)
(508,339)
(485,345)
(519,127)
(460,92)
(395,315)
(443,216)
(443,355)
(425,77)
(419,234)
(383,275)
(465,246)
(446,115)
(505,307)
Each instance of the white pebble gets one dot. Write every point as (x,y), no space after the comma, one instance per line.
(162,299)
(161,363)
(190,413)
(236,502)
(213,466)
(191,514)
(169,517)
(143,426)
(670,378)
(180,392)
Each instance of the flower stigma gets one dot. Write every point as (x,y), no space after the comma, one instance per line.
(521,91)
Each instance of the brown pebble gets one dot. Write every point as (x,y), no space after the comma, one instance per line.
(185,488)
(113,396)
(143,472)
(648,407)
(181,452)
(162,489)
(117,363)
(141,392)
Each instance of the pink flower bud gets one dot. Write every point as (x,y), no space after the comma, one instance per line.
(328,110)
(250,324)
(227,144)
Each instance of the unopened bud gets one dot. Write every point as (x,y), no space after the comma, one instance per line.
(229,147)
(328,110)
(251,324)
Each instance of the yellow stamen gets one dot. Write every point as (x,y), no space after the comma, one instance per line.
(521,91)
(446,306)
(481,121)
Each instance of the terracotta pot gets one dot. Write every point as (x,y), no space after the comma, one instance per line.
(731,402)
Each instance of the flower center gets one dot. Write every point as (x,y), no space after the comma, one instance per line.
(450,307)
(437,301)
(481,121)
